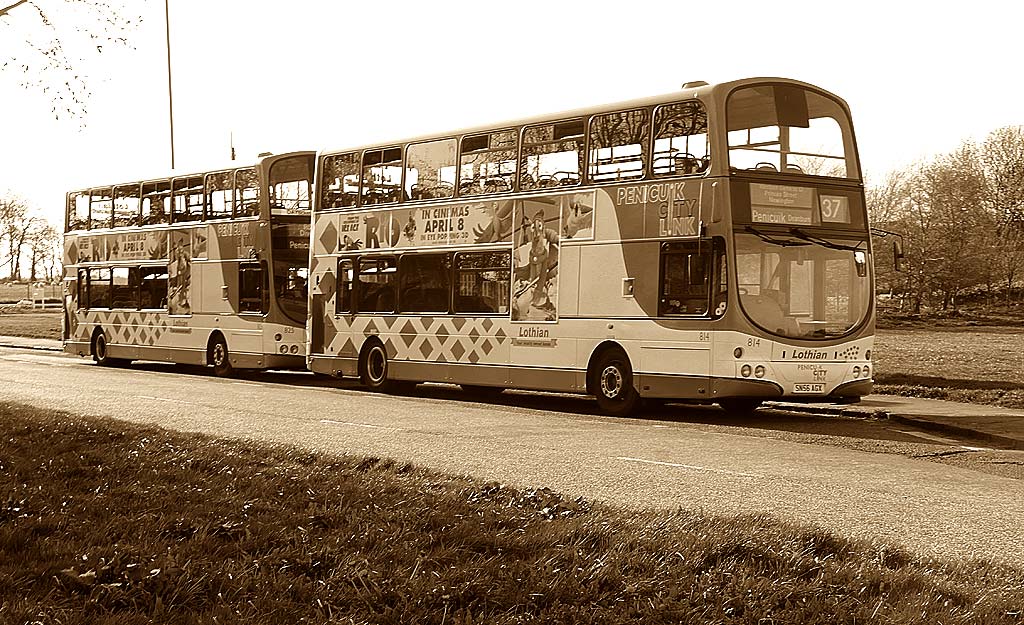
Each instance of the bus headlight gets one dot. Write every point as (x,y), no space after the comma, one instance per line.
(856,372)
(867,371)
(759,371)
(745,371)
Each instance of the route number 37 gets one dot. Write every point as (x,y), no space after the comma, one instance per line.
(835,209)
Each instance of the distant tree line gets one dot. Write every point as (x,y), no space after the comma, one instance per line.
(30,247)
(961,217)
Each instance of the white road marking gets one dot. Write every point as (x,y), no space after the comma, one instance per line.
(940,439)
(173,401)
(60,361)
(687,466)
(359,425)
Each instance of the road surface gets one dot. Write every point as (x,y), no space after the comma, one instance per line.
(861,479)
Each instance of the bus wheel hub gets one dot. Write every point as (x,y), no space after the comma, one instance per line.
(611,382)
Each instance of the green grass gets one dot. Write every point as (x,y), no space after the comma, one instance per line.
(103,522)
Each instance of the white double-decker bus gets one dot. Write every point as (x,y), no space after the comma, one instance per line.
(204,269)
(709,245)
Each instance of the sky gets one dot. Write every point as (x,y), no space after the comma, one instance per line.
(920,77)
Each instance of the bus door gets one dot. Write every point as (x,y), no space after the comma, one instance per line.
(692,294)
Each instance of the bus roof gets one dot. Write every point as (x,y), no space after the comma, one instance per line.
(698,90)
(227,167)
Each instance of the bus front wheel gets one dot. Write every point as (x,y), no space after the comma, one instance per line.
(613,384)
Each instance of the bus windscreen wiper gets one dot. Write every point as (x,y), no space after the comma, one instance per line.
(767,238)
(800,234)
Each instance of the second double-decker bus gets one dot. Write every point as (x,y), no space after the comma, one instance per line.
(203,269)
(709,245)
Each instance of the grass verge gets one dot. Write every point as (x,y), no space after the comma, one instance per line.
(105,522)
(978,365)
(30,323)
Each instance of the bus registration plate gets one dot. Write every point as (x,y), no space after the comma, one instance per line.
(809,388)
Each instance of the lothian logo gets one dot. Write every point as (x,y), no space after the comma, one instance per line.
(533,333)
(807,354)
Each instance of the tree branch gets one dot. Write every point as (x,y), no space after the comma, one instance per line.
(7,9)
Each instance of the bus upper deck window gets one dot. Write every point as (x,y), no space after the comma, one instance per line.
(156,197)
(219,195)
(339,180)
(618,145)
(788,129)
(487,163)
(430,170)
(552,155)
(126,205)
(247,193)
(681,139)
(382,176)
(291,180)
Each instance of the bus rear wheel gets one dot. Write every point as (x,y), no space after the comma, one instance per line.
(100,355)
(613,384)
(220,358)
(373,371)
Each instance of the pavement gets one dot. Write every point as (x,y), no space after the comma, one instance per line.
(991,425)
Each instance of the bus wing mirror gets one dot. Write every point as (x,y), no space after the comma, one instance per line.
(860,259)
(897,254)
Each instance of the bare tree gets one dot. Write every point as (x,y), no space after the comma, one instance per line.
(13,218)
(24,234)
(1002,158)
(956,214)
(58,39)
(43,243)
(889,205)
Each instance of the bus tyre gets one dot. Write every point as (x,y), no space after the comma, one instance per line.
(613,384)
(99,350)
(374,369)
(739,405)
(220,358)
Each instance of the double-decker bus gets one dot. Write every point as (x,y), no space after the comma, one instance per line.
(202,269)
(709,245)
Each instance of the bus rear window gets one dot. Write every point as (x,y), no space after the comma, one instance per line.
(291,180)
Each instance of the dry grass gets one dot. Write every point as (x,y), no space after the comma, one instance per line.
(36,324)
(969,364)
(102,522)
